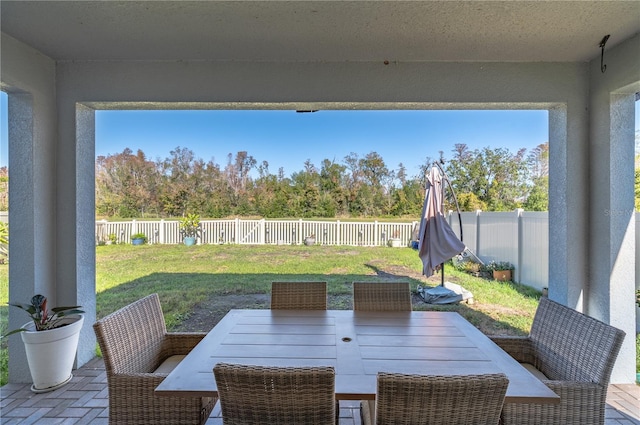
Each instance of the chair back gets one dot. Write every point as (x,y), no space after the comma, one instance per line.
(382,296)
(299,295)
(264,395)
(131,338)
(572,346)
(444,400)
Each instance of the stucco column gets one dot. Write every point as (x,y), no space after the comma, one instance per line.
(612,232)
(568,202)
(21,222)
(612,224)
(76,248)
(28,77)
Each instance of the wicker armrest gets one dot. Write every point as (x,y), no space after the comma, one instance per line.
(568,385)
(181,342)
(132,400)
(582,396)
(518,347)
(580,403)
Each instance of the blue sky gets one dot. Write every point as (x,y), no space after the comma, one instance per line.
(287,139)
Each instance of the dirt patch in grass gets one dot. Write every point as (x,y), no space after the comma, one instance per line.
(207,314)
(484,316)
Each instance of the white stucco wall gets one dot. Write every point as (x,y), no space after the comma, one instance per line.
(563,88)
(612,230)
(29,79)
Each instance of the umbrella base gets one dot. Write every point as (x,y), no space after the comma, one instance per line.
(448,293)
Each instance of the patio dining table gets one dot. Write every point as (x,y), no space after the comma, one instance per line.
(358,344)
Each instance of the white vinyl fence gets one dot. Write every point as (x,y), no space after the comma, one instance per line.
(519,237)
(260,232)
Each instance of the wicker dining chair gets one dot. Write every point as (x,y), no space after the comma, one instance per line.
(303,295)
(265,395)
(138,354)
(403,399)
(573,354)
(382,296)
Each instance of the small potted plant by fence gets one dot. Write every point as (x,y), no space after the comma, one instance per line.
(501,270)
(50,341)
(190,226)
(112,239)
(470,267)
(310,240)
(138,238)
(394,241)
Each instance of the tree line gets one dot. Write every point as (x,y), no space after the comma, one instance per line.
(129,185)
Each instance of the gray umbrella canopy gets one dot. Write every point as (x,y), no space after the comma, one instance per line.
(438,243)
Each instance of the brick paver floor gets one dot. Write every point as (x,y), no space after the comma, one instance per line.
(85,401)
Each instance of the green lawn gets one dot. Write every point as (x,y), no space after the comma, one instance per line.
(185,276)
(188,277)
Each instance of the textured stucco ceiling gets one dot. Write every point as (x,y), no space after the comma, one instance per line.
(510,31)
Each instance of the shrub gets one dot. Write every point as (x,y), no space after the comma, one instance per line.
(190,225)
(139,236)
(498,265)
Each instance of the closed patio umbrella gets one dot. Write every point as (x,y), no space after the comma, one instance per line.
(438,243)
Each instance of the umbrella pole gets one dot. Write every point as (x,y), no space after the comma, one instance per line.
(442,274)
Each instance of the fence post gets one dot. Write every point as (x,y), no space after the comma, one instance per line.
(519,212)
(375,232)
(161,232)
(338,233)
(236,239)
(262,238)
(478,233)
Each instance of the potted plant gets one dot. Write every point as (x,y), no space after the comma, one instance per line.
(190,226)
(468,267)
(501,270)
(394,241)
(112,239)
(310,240)
(138,238)
(50,341)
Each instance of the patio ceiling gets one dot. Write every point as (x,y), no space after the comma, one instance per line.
(310,31)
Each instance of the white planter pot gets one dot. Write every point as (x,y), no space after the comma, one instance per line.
(51,353)
(394,242)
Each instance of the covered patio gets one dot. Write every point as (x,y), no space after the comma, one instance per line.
(62,61)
